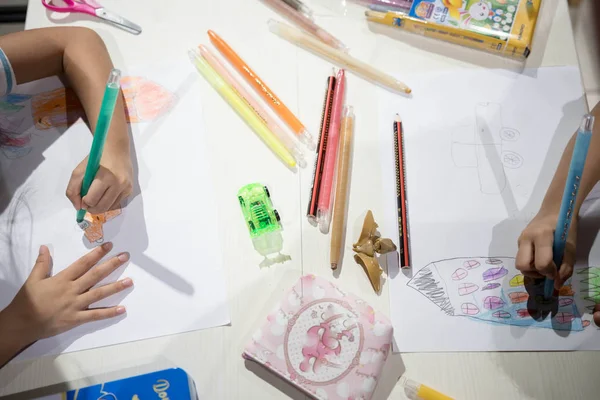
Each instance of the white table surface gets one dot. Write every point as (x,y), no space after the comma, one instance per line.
(212,356)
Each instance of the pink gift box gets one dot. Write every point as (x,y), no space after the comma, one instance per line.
(329,343)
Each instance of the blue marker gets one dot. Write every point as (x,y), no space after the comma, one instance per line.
(565,216)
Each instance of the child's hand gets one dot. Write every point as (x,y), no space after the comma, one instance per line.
(534,257)
(47,306)
(112,184)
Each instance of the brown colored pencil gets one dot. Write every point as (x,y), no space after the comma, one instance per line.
(342,187)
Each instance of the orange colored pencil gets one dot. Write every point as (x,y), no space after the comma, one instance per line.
(267,94)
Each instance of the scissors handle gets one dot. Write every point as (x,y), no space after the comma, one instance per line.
(85,7)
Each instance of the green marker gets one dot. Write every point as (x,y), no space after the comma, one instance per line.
(106,112)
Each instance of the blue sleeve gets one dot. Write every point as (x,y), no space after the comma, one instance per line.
(7,76)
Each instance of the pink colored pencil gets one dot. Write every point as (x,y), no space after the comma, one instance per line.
(325,194)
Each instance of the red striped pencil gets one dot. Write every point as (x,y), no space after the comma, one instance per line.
(313,202)
(401,194)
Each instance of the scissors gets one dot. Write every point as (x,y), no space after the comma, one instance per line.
(91,7)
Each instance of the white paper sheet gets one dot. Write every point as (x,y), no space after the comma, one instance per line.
(168,228)
(481,149)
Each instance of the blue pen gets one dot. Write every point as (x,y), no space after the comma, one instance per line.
(565,216)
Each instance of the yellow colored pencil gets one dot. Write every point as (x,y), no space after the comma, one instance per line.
(242,108)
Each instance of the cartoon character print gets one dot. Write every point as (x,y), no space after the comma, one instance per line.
(328,342)
(325,340)
(454,7)
(479,11)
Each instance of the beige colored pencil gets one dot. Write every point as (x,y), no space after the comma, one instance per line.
(344,60)
(342,187)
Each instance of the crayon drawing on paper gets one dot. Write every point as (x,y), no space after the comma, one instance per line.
(145,101)
(492,290)
(487,148)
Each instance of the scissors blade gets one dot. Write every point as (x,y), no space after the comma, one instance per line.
(118,20)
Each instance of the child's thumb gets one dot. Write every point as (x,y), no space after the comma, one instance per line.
(41,269)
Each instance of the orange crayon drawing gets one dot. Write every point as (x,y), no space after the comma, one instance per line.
(56,108)
(145,101)
(94,231)
(566,290)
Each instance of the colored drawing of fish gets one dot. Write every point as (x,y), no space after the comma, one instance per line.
(564,317)
(469,309)
(491,286)
(494,273)
(495,296)
(493,302)
(459,274)
(518,297)
(566,290)
(501,314)
(467,288)
(470,264)
(517,280)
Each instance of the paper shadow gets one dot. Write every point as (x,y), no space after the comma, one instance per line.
(542,33)
(392,370)
(65,386)
(506,233)
(17,132)
(132,225)
(278,383)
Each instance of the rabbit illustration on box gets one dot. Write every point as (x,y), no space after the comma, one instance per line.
(479,11)
(330,344)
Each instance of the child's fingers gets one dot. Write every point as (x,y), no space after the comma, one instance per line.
(117,204)
(107,200)
(543,254)
(102,292)
(96,191)
(524,260)
(81,266)
(41,269)
(566,270)
(96,274)
(98,314)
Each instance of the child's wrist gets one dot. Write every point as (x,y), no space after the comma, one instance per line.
(13,326)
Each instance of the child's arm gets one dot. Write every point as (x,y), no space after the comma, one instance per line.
(534,257)
(81,55)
